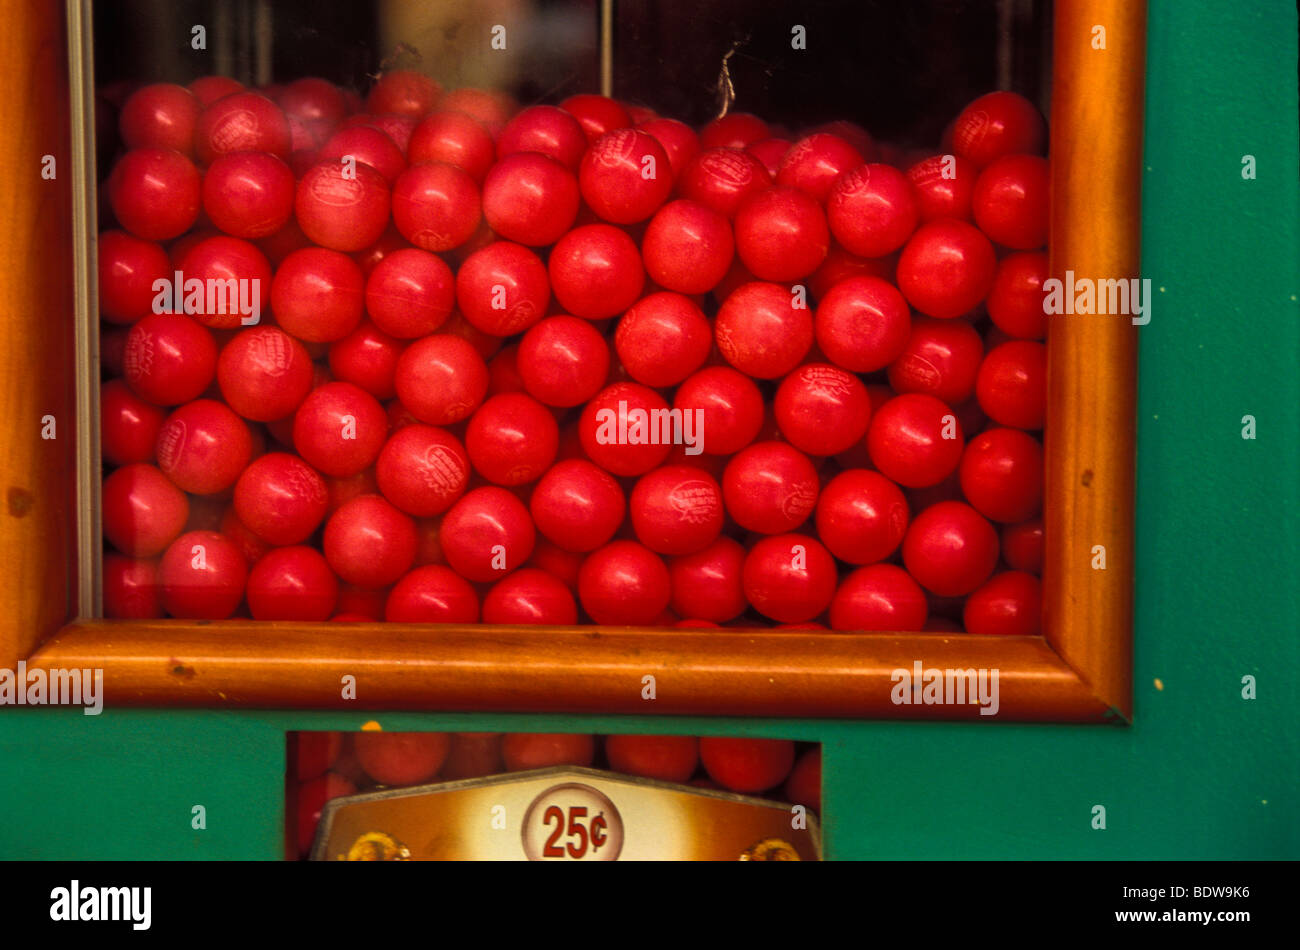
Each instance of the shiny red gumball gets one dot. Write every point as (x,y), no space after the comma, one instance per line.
(512,439)
(215,262)
(943,186)
(128,268)
(361,144)
(1010,201)
(747,765)
(160,115)
(537,750)
(734,130)
(128,425)
(596,114)
(622,432)
(369,543)
(770,487)
(441,379)
(1008,604)
(432,594)
(763,330)
(292,583)
(169,359)
(946,269)
(1002,475)
(367,357)
(577,505)
(666,758)
(1012,384)
(563,361)
(687,247)
(623,583)
(880,597)
(318,295)
(530,198)
(549,130)
(264,373)
(203,447)
(1015,302)
(453,138)
(804,786)
(155,193)
(241,122)
(941,359)
(281,499)
(1022,545)
(707,585)
(344,206)
(861,516)
(679,141)
(676,509)
(997,124)
(814,163)
(248,194)
(915,440)
(871,210)
(625,176)
(821,409)
(789,577)
(436,206)
(410,293)
(143,511)
(422,470)
(313,99)
(781,234)
(530,596)
(663,339)
(401,758)
(950,549)
(403,92)
(596,271)
(339,429)
(132,590)
(487,534)
(863,324)
(726,407)
(503,289)
(209,89)
(721,178)
(473,754)
(202,575)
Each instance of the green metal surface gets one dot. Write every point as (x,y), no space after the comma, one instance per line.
(1201,772)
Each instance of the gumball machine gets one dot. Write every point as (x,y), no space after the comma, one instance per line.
(758,379)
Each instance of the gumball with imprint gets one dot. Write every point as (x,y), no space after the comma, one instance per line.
(155,193)
(861,516)
(707,585)
(132,590)
(369,543)
(221,259)
(487,534)
(915,440)
(946,268)
(248,194)
(688,247)
(727,405)
(1012,384)
(503,288)
(530,596)
(293,583)
(422,470)
(763,330)
(616,431)
(441,379)
(318,295)
(128,426)
(950,549)
(596,114)
(879,597)
(203,447)
(997,124)
(203,576)
(747,765)
(128,267)
(241,122)
(143,511)
(344,207)
(281,498)
(401,758)
(676,509)
(770,487)
(871,210)
(577,505)
(530,198)
(789,577)
(1022,545)
(815,162)
(721,178)
(781,234)
(662,339)
(595,271)
(1010,201)
(667,758)
(679,141)
(512,439)
(943,186)
(436,206)
(410,293)
(264,373)
(625,176)
(941,359)
(1002,475)
(432,593)
(821,409)
(563,361)
(623,583)
(862,324)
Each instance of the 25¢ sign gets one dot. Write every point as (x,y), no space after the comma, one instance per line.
(572,822)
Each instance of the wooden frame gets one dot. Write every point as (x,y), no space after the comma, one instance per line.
(1079,672)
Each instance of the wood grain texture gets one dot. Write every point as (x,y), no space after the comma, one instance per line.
(37,360)
(1095,231)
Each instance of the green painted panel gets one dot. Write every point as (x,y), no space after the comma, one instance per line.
(1201,773)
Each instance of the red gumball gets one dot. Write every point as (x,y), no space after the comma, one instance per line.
(666,758)
(530,596)
(422,470)
(781,234)
(215,262)
(410,293)
(202,575)
(313,99)
(721,178)
(789,577)
(169,359)
(241,122)
(943,186)
(915,440)
(747,765)
(770,152)
(863,324)
(264,374)
(596,114)
(688,247)
(292,583)
(522,750)
(364,145)
(804,786)
(344,206)
(487,534)
(208,89)
(577,505)
(403,92)
(1015,302)
(132,590)
(154,193)
(880,597)
(530,198)
(128,425)
(941,359)
(401,758)
(734,130)
(676,509)
(861,516)
(512,439)
(563,361)
(160,115)
(312,797)
(1012,384)
(623,583)
(203,447)
(596,271)
(1022,545)
(946,269)
(871,210)
(707,585)
(436,206)
(997,124)
(623,429)
(432,594)
(248,194)
(728,406)
(318,295)
(281,499)
(453,138)
(950,549)
(503,289)
(339,429)
(1009,604)
(663,339)
(678,139)
(1002,475)
(814,163)
(369,543)
(546,129)
(128,268)
(143,511)
(821,409)
(770,487)
(763,330)
(367,357)
(473,754)
(625,176)
(441,379)
(1010,201)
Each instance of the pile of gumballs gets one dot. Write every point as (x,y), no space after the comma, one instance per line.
(436,358)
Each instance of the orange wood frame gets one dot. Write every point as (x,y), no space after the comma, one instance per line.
(1080,671)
